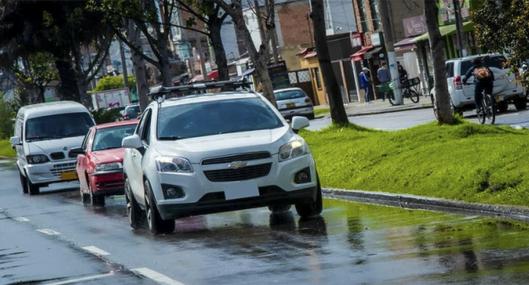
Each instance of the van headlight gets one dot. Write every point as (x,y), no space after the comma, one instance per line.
(292,149)
(37,159)
(113,166)
(173,164)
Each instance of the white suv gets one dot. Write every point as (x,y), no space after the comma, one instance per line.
(506,88)
(47,139)
(207,153)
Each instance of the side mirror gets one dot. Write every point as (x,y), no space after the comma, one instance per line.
(74,152)
(15,141)
(299,123)
(133,141)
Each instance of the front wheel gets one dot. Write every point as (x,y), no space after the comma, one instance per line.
(520,103)
(312,208)
(33,189)
(156,224)
(391,98)
(24,183)
(133,209)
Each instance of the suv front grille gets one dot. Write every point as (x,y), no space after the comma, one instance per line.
(57,155)
(245,173)
(237,157)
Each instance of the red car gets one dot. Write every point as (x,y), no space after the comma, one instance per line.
(99,163)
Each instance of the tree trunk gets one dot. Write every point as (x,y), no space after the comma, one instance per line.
(445,113)
(138,62)
(259,59)
(166,57)
(338,114)
(218,48)
(68,90)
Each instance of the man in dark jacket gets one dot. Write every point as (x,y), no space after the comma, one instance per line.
(483,77)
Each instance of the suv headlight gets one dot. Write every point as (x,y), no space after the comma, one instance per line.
(37,159)
(293,149)
(173,164)
(113,166)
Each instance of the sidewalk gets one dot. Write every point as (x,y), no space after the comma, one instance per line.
(380,107)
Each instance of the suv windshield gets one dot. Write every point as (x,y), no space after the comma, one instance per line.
(217,117)
(109,138)
(58,126)
(490,61)
(290,94)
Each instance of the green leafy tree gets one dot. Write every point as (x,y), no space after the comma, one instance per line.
(113,82)
(7,114)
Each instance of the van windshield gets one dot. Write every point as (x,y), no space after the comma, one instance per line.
(58,126)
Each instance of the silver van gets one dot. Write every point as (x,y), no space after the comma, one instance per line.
(46,138)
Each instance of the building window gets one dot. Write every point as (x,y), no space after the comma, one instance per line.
(363,18)
(374,14)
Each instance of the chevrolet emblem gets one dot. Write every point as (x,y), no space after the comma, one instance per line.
(237,164)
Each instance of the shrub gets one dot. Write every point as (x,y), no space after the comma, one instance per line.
(7,114)
(102,116)
(113,82)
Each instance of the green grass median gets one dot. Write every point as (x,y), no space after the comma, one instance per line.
(5,149)
(468,162)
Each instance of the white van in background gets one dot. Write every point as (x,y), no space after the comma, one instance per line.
(45,135)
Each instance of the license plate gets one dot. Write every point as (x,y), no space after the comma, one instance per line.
(291,105)
(69,175)
(241,189)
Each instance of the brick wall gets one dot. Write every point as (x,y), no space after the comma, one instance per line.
(295,28)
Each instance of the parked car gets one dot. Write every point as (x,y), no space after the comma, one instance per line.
(131,112)
(506,88)
(294,102)
(100,161)
(45,135)
(209,153)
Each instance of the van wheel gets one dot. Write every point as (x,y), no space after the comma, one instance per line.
(520,103)
(133,209)
(502,106)
(312,208)
(97,200)
(33,189)
(24,183)
(155,222)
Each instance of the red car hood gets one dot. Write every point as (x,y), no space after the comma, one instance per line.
(108,155)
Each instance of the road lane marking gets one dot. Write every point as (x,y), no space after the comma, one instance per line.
(155,276)
(82,279)
(95,250)
(49,232)
(21,219)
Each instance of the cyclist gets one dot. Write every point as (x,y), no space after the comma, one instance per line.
(483,77)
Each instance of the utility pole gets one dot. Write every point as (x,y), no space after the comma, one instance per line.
(270,9)
(259,15)
(383,9)
(461,51)
(124,65)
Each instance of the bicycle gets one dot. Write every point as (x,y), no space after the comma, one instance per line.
(408,90)
(486,112)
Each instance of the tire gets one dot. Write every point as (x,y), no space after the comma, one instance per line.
(85,198)
(520,103)
(155,222)
(311,116)
(134,212)
(503,106)
(490,114)
(414,96)
(307,209)
(97,200)
(33,189)
(24,183)
(279,208)
(391,98)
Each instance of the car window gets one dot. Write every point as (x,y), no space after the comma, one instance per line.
(217,117)
(85,141)
(145,129)
(58,126)
(449,69)
(465,66)
(290,94)
(110,138)
(141,122)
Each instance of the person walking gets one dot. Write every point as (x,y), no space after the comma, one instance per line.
(384,77)
(365,83)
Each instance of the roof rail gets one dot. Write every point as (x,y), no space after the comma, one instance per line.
(197,88)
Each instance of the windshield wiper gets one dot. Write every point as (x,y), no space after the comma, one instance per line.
(170,138)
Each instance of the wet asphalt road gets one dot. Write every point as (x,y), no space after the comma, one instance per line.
(350,244)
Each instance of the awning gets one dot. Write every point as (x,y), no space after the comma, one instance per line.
(447,30)
(372,52)
(405,42)
(359,55)
(213,75)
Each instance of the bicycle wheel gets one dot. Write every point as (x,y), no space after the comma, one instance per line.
(414,96)
(490,108)
(391,98)
(480,112)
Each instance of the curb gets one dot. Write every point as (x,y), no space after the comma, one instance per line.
(428,203)
(389,111)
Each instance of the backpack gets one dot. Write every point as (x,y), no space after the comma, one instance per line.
(482,73)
